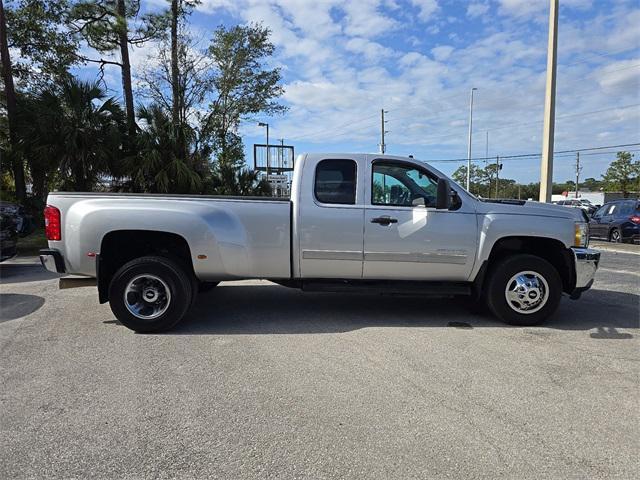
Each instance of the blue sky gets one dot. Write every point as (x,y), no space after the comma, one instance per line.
(343,61)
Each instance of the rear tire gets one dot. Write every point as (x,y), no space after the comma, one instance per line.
(523,290)
(150,294)
(615,236)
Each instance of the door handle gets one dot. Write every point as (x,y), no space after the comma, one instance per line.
(385,220)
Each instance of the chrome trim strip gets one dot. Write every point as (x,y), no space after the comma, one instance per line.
(417,257)
(332,255)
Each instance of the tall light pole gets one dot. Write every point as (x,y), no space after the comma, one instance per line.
(469,146)
(546,166)
(261,124)
(383,146)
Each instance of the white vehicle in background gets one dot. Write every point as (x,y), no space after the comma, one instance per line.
(581,203)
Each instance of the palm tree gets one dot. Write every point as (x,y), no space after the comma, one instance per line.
(169,158)
(69,133)
(92,130)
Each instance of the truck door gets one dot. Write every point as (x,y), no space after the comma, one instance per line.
(330,218)
(405,237)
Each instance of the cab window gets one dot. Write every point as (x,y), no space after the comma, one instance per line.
(336,182)
(402,185)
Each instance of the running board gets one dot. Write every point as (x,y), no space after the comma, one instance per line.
(388,287)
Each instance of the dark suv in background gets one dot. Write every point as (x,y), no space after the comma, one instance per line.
(617,221)
(14,223)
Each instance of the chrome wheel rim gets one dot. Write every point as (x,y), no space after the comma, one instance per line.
(615,236)
(147,297)
(527,292)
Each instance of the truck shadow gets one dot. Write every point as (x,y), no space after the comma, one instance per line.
(271,309)
(21,273)
(18,305)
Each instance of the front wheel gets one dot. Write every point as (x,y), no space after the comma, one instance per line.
(524,290)
(150,294)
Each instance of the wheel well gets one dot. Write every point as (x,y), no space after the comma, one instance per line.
(121,246)
(553,251)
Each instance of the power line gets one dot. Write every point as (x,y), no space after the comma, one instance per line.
(597,55)
(528,155)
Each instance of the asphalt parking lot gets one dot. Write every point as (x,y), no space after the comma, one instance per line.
(262,381)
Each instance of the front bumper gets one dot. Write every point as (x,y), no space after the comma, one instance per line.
(586,261)
(52,260)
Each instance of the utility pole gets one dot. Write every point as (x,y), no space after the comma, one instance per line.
(546,166)
(486,152)
(486,162)
(498,166)
(281,155)
(262,124)
(383,146)
(469,144)
(578,170)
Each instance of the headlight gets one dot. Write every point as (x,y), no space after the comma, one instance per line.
(581,235)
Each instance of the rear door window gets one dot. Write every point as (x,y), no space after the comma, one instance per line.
(627,208)
(335,182)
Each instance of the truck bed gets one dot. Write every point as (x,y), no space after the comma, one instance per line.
(228,237)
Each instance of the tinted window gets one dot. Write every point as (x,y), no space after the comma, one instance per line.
(627,208)
(600,211)
(336,181)
(402,185)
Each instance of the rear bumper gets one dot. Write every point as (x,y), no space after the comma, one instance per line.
(52,260)
(586,261)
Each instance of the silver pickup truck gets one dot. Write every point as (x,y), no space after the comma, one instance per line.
(355,222)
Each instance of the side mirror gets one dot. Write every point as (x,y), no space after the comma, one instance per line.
(443,200)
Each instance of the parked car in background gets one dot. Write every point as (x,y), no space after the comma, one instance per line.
(8,236)
(14,223)
(23,221)
(617,221)
(583,204)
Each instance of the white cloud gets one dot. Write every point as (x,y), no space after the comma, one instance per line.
(621,75)
(372,51)
(364,18)
(442,52)
(477,9)
(426,8)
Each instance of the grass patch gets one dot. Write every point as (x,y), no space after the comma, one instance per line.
(31,244)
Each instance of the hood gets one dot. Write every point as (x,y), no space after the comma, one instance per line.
(515,207)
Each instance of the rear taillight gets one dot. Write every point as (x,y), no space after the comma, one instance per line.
(635,219)
(52,227)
